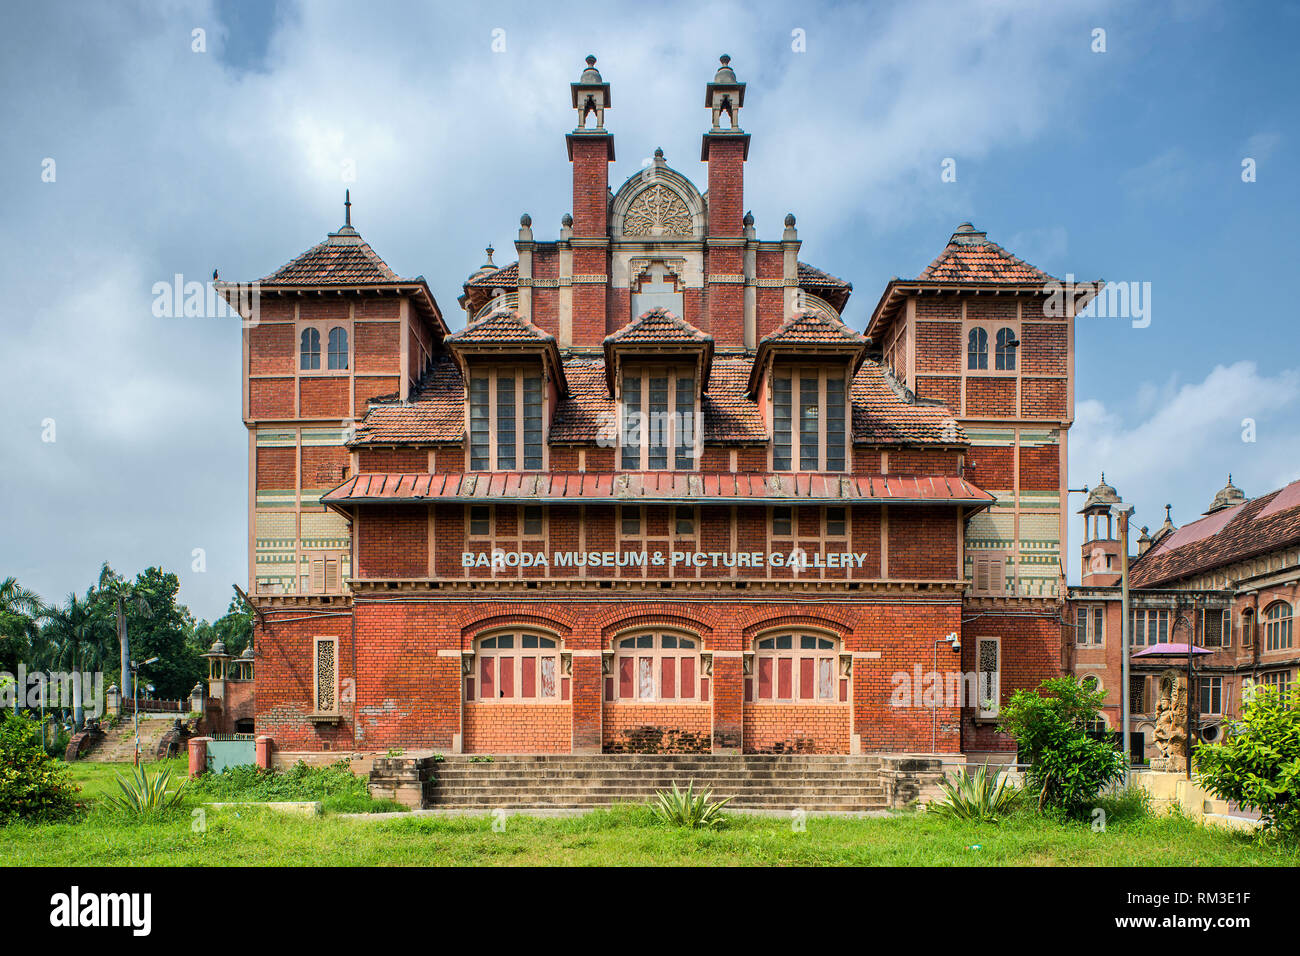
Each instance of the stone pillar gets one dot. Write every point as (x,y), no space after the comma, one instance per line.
(263,747)
(198,755)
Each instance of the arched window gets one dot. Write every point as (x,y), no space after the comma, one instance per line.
(977,349)
(657,667)
(310,349)
(338,348)
(1005,358)
(515,668)
(797,668)
(1277,626)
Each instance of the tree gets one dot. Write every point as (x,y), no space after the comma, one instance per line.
(1067,766)
(21,611)
(234,629)
(76,638)
(160,627)
(1258,763)
(121,595)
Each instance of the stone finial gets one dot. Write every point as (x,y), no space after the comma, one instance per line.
(749,218)
(567,220)
(659,154)
(789,219)
(525,220)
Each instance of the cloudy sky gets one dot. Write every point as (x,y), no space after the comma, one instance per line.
(1124,164)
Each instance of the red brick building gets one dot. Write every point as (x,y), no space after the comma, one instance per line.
(1227,583)
(656,494)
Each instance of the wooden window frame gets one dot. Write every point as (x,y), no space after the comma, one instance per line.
(322,330)
(347,349)
(992,331)
(657,652)
(796,373)
(493,375)
(521,674)
(767,647)
(644,372)
(1278,628)
(1214,684)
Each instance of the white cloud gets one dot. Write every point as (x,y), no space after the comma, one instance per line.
(1176,443)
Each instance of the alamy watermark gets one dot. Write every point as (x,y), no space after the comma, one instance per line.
(1100,300)
(179,299)
(53,689)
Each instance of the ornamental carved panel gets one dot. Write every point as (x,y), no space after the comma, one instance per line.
(657,211)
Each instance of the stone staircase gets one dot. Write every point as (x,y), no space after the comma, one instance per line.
(118,743)
(812,782)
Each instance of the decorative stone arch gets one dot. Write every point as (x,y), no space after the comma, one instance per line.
(626,624)
(486,626)
(838,630)
(658,203)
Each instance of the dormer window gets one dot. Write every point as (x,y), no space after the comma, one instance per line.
(505,419)
(658,419)
(809,415)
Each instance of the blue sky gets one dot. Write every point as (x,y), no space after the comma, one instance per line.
(1124,165)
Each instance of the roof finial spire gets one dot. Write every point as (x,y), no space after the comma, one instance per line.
(347,207)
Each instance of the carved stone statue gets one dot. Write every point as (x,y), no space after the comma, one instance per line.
(1171,722)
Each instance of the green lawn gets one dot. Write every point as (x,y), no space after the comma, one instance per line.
(625,835)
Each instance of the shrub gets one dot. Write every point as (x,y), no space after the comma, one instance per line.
(146,796)
(980,797)
(686,808)
(33,785)
(299,782)
(1067,766)
(1258,763)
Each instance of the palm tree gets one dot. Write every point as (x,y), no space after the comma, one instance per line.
(21,611)
(75,638)
(118,592)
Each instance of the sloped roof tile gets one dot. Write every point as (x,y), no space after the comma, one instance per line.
(344,258)
(1233,534)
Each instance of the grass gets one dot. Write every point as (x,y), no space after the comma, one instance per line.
(628,835)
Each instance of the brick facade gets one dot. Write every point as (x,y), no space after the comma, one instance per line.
(907,465)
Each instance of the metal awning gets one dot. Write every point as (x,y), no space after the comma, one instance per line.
(657,488)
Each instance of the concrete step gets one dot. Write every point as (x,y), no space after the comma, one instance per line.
(562,800)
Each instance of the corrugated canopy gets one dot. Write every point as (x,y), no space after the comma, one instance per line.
(657,488)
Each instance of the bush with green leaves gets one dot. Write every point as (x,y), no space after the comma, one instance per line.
(688,809)
(981,797)
(145,795)
(33,785)
(1067,765)
(335,786)
(1257,764)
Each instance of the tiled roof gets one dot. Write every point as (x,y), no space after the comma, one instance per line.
(883,415)
(659,327)
(655,487)
(344,258)
(813,326)
(971,257)
(435,413)
(814,277)
(503,325)
(507,277)
(1233,534)
(580,416)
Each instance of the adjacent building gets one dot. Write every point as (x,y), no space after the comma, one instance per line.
(1226,583)
(655,495)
